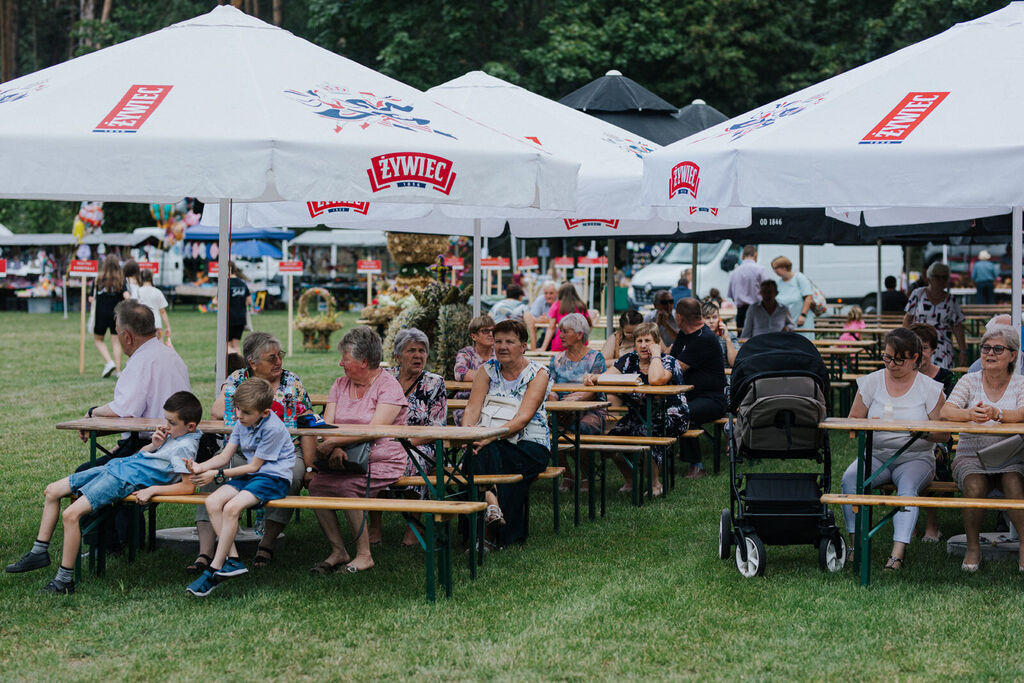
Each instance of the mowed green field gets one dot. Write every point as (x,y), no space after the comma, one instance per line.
(640,594)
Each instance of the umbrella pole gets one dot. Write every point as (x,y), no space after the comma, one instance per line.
(1015,288)
(476,267)
(609,292)
(223,276)
(878,286)
(693,272)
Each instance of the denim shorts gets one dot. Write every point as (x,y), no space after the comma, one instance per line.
(264,486)
(99,486)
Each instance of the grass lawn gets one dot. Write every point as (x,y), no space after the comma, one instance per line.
(640,594)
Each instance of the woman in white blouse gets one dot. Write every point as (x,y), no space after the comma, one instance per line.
(898,392)
(996,394)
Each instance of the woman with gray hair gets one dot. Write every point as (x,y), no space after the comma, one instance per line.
(428,405)
(367,395)
(935,306)
(569,367)
(264,359)
(996,394)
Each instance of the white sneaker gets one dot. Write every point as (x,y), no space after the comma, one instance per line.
(108,368)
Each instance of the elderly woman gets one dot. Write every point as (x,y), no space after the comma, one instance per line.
(621,343)
(656,368)
(795,293)
(935,305)
(428,405)
(897,392)
(525,450)
(571,366)
(768,315)
(264,359)
(469,359)
(367,395)
(996,394)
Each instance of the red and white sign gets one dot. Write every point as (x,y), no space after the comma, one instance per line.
(84,268)
(571,223)
(902,120)
(411,169)
(564,262)
(317,208)
(368,267)
(289,267)
(495,263)
(527,264)
(3,267)
(593,262)
(684,179)
(455,262)
(151,266)
(213,269)
(137,105)
(713,210)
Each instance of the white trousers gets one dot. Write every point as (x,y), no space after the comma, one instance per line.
(909,478)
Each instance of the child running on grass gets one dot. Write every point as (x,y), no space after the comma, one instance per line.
(150,472)
(266,476)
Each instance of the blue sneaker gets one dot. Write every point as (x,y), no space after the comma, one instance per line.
(204,585)
(232,567)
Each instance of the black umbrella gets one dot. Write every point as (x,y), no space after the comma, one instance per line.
(625,103)
(698,116)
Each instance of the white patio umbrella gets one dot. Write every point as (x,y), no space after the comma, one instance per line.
(225,107)
(929,132)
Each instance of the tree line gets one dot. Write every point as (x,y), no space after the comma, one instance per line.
(733,54)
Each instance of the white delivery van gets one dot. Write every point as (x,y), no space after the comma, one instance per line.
(172,263)
(846,274)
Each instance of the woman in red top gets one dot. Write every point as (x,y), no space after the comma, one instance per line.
(568,302)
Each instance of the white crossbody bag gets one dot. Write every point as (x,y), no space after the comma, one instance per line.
(496,411)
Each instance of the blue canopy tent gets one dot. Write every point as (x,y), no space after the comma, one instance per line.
(205,234)
(254,249)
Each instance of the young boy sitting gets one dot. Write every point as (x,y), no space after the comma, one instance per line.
(267,475)
(150,472)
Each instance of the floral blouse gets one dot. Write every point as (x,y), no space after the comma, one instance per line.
(630,363)
(428,405)
(465,360)
(564,371)
(536,430)
(943,316)
(289,388)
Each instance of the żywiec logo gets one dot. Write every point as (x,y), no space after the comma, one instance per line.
(317,208)
(411,169)
(713,210)
(137,105)
(684,179)
(901,121)
(571,223)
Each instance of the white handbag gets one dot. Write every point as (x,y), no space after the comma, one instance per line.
(496,411)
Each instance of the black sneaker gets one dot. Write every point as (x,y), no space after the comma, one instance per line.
(56,587)
(28,562)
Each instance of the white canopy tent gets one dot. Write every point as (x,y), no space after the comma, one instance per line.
(227,108)
(927,133)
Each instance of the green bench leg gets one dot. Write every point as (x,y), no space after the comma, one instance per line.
(430,558)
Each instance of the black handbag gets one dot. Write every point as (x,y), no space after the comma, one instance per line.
(357,460)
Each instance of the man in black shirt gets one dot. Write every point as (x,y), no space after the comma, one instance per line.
(699,353)
(893,300)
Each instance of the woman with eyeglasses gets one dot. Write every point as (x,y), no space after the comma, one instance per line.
(621,343)
(996,394)
(933,304)
(897,393)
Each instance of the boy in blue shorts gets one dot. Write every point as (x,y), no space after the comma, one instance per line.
(154,470)
(265,476)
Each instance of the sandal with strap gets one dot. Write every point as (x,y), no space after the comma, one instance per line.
(894,563)
(264,556)
(200,565)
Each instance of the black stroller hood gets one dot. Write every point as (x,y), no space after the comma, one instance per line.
(775,354)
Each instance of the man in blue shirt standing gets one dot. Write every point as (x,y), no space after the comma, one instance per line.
(984,274)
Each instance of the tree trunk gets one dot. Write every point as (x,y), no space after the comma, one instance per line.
(8,40)
(108,5)
(278,12)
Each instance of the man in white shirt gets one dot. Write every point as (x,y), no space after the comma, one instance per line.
(540,308)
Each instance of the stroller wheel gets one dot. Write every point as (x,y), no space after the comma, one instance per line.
(832,553)
(724,535)
(754,565)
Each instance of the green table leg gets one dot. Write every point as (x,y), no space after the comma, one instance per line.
(864,514)
(430,557)
(555,483)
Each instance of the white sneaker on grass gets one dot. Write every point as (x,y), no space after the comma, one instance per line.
(108,368)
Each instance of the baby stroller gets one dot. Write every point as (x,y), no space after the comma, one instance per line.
(777,399)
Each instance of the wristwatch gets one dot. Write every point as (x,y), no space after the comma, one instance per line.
(89,414)
(220,478)
(310,468)
(999,418)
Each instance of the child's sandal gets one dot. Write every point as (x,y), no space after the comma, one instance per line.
(201,564)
